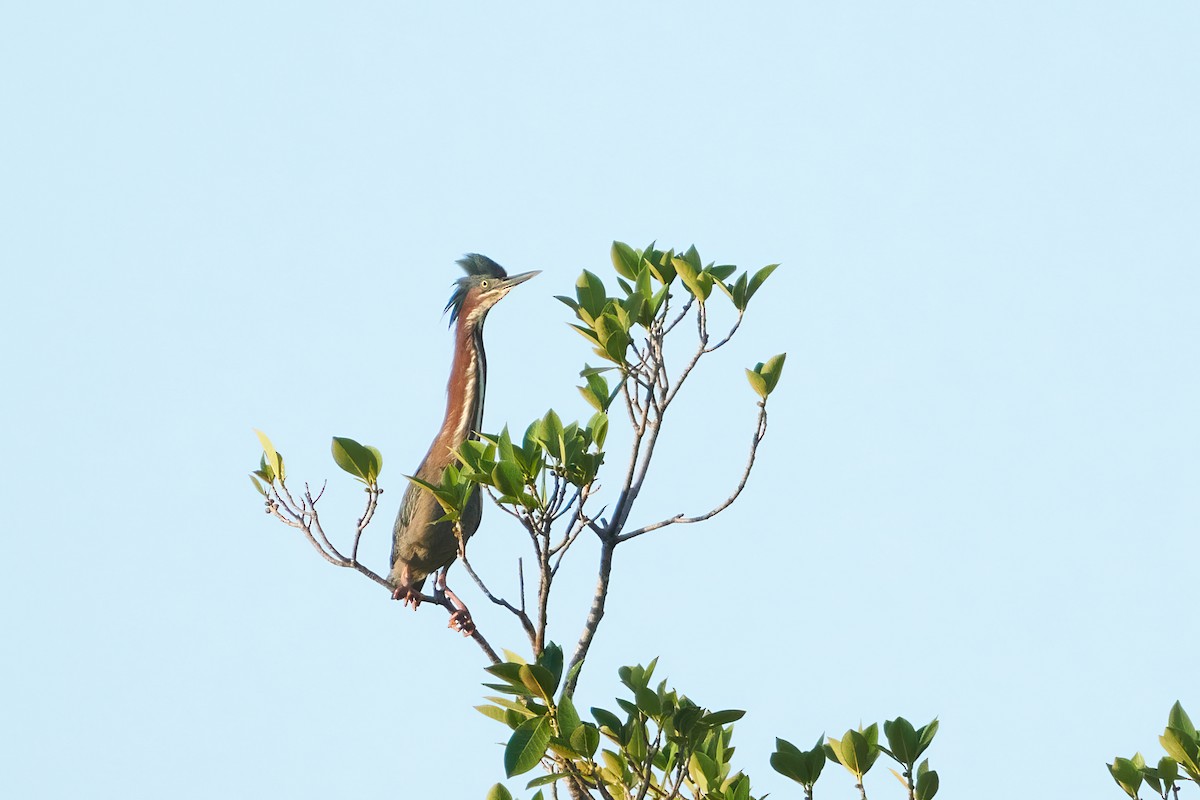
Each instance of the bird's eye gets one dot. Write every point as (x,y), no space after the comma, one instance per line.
(483,284)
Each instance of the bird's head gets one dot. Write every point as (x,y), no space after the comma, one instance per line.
(485,283)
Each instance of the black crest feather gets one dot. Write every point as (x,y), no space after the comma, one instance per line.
(476,266)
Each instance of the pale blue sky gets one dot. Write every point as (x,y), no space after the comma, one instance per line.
(978,498)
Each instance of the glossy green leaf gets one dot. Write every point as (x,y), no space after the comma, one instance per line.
(591,293)
(1179,720)
(648,702)
(587,333)
(759,278)
(353,458)
(538,680)
(493,712)
(902,740)
(274,460)
(526,746)
(552,659)
(757,383)
(626,260)
(508,479)
(545,780)
(585,739)
(772,370)
(724,717)
(927,785)
(607,719)
(1168,769)
(1127,776)
(498,792)
(703,771)
(525,709)
(925,737)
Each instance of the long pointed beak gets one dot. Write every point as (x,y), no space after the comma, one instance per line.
(513,280)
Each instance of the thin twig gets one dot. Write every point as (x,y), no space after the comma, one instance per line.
(519,613)
(760,431)
(729,335)
(373,493)
(682,312)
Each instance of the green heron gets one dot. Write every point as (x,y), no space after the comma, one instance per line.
(421,544)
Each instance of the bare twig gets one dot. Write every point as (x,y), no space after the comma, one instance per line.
(760,431)
(519,613)
(303,516)
(373,492)
(682,313)
(729,335)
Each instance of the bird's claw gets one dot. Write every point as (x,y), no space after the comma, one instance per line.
(408,595)
(460,620)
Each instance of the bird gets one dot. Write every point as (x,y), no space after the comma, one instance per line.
(422,542)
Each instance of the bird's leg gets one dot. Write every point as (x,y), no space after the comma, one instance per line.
(460,617)
(405,590)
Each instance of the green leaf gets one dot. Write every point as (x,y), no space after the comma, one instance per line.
(356,459)
(648,702)
(697,282)
(585,739)
(724,717)
(598,428)
(758,279)
(546,779)
(771,371)
(376,462)
(552,659)
(927,785)
(1179,720)
(607,719)
(925,737)
(527,709)
(703,771)
(739,293)
(591,293)
(757,383)
(538,680)
(568,717)
(258,485)
(508,479)
(722,271)
(498,792)
(274,460)
(1127,776)
(636,743)
(526,746)
(493,712)
(626,260)
(902,740)
(1168,769)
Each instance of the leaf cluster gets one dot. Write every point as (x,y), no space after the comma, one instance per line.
(858,750)
(657,740)
(517,471)
(645,278)
(270,466)
(1182,745)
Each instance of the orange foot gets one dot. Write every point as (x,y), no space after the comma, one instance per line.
(460,620)
(408,594)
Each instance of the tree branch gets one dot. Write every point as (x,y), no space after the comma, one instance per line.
(760,431)
(595,614)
